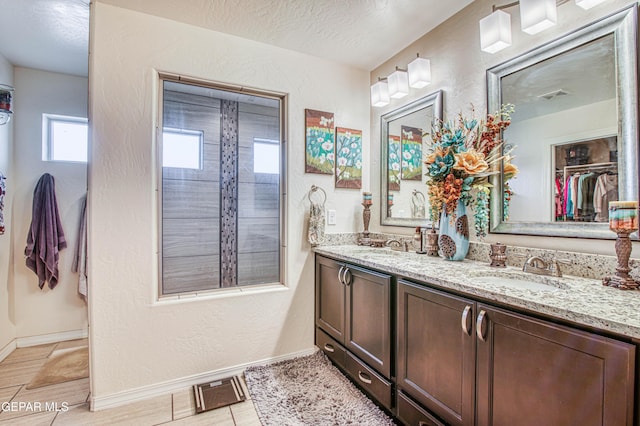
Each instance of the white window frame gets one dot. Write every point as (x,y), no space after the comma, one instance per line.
(176,131)
(48,120)
(188,296)
(273,142)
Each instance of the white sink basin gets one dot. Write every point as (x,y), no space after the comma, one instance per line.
(519,280)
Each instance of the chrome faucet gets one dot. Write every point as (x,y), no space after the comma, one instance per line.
(537,265)
(398,245)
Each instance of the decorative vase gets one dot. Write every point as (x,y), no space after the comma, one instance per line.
(454,233)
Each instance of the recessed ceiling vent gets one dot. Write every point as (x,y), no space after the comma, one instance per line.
(554,94)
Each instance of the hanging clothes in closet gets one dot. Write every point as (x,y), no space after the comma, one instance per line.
(46,237)
(559,197)
(587,193)
(606,190)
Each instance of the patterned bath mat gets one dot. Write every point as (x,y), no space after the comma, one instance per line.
(309,391)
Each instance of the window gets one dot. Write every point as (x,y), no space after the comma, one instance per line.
(182,148)
(221,188)
(64,138)
(266,156)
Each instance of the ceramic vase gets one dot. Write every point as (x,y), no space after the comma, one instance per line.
(454,233)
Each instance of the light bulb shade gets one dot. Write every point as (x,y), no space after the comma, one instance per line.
(419,73)
(379,94)
(537,15)
(495,32)
(588,4)
(398,84)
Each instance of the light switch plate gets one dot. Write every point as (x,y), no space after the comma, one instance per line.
(331,217)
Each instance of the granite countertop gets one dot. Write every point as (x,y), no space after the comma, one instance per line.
(579,300)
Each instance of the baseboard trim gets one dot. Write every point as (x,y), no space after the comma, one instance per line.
(8,348)
(146,392)
(43,339)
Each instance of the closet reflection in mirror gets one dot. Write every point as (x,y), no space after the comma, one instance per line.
(570,97)
(574,130)
(405,138)
(586,179)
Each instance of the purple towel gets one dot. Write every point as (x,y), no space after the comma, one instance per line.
(46,238)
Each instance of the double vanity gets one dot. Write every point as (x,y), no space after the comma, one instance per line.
(461,343)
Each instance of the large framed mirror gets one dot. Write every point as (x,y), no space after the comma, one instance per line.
(574,130)
(404,142)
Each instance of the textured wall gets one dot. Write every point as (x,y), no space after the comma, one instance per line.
(135,340)
(458,68)
(46,311)
(7,320)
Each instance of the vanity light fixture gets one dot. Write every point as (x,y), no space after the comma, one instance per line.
(6,105)
(380,93)
(398,83)
(588,4)
(535,16)
(495,32)
(419,72)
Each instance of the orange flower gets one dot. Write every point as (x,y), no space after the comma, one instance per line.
(509,170)
(438,152)
(470,162)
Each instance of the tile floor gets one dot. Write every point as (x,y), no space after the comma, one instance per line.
(18,406)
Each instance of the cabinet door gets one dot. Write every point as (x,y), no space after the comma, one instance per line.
(532,372)
(436,351)
(368,325)
(330,297)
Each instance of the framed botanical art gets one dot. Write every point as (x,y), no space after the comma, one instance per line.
(320,142)
(394,163)
(411,153)
(348,158)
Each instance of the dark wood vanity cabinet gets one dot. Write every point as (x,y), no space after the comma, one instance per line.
(436,357)
(353,320)
(469,363)
(532,372)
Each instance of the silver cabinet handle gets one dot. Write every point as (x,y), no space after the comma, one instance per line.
(480,324)
(364,377)
(347,282)
(466,326)
(340,274)
(329,347)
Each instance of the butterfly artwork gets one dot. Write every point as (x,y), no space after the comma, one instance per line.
(319,142)
(348,158)
(411,161)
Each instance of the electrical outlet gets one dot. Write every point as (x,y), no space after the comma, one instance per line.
(331,217)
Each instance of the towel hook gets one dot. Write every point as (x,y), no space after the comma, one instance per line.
(313,190)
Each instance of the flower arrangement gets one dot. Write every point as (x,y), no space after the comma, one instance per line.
(462,156)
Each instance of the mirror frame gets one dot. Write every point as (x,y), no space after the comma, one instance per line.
(434,100)
(623,26)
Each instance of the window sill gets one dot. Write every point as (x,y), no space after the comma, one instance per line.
(221,293)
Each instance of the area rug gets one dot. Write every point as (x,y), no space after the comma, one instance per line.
(62,366)
(309,391)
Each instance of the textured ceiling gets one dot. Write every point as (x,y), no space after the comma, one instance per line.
(53,34)
(362,33)
(46,34)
